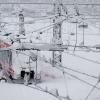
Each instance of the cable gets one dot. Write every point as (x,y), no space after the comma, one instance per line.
(79,79)
(29,22)
(46,91)
(42,31)
(43,90)
(80,72)
(85,34)
(48,26)
(91,90)
(72,75)
(44,18)
(92,76)
(89,60)
(75,77)
(44,28)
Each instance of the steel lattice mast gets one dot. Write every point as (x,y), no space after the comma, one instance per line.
(57,36)
(21,23)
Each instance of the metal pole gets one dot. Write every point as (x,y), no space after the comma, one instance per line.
(83,33)
(21,23)
(36,67)
(57,37)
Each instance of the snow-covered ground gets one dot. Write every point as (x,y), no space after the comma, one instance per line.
(21,92)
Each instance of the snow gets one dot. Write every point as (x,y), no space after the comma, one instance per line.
(21,92)
(51,77)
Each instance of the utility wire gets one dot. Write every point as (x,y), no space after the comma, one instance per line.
(42,31)
(48,26)
(93,50)
(80,72)
(92,76)
(79,79)
(86,59)
(85,34)
(46,91)
(92,90)
(46,18)
(71,75)
(45,28)
(29,22)
(43,90)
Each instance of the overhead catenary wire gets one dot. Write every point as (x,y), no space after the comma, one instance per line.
(90,34)
(48,26)
(90,49)
(45,28)
(93,88)
(75,77)
(46,91)
(29,22)
(45,18)
(36,87)
(78,78)
(86,59)
(51,25)
(64,72)
(92,76)
(68,68)
(79,72)
(71,75)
